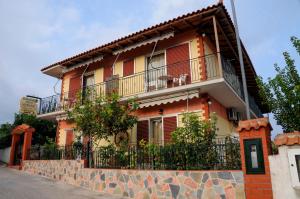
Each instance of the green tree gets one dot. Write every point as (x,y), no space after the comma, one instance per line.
(5,135)
(43,128)
(281,94)
(100,117)
(195,130)
(5,129)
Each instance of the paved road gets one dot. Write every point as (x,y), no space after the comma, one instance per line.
(19,185)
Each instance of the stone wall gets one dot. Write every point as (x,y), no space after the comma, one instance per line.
(143,183)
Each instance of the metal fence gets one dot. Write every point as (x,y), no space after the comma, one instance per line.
(219,154)
(163,77)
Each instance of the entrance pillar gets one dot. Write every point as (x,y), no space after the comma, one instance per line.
(16,132)
(27,143)
(255,143)
(15,139)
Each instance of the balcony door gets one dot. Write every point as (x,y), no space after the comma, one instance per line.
(88,85)
(156,72)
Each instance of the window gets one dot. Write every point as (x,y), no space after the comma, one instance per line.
(88,83)
(254,158)
(156,131)
(156,69)
(297,159)
(294,163)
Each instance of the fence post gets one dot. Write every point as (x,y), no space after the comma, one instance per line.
(255,142)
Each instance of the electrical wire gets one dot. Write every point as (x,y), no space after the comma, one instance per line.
(153,50)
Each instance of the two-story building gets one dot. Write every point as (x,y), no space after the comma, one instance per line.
(187,64)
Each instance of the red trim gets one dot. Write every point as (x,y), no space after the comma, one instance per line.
(202,58)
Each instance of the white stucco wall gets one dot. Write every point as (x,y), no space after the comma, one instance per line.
(4,154)
(281,176)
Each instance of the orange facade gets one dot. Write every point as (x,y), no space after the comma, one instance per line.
(177,51)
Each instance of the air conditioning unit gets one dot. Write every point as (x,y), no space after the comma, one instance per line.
(233,115)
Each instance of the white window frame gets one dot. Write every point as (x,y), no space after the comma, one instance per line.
(295,175)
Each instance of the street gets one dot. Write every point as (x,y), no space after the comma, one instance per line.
(15,184)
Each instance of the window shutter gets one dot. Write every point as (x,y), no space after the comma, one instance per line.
(178,61)
(143,130)
(170,124)
(107,72)
(74,87)
(69,137)
(128,67)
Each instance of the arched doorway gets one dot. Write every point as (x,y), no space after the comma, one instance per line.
(20,144)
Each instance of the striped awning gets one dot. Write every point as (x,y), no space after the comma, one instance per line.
(143,43)
(168,99)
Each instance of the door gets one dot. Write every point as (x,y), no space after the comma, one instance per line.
(156,71)
(156,131)
(89,86)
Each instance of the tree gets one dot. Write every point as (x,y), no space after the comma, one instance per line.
(195,130)
(281,94)
(43,128)
(100,117)
(5,135)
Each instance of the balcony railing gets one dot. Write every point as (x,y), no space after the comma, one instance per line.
(168,76)
(235,82)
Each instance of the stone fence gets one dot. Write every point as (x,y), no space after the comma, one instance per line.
(143,183)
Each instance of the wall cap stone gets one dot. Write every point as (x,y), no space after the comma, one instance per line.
(288,139)
(254,124)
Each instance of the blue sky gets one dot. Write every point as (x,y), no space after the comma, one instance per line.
(36,33)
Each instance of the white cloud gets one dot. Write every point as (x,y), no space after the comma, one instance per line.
(37,33)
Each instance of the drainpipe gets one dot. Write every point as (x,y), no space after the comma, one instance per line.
(240,59)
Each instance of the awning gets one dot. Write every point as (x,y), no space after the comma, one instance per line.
(149,41)
(85,63)
(168,99)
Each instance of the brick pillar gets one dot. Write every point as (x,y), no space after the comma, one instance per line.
(27,143)
(255,138)
(15,139)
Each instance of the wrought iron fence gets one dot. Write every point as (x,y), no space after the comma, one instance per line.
(219,154)
(37,152)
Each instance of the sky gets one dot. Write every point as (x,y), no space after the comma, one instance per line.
(36,33)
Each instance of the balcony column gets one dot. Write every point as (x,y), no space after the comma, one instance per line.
(217,46)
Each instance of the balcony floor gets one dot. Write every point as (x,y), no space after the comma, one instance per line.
(217,88)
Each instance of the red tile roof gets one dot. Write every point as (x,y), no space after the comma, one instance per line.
(253,124)
(139,33)
(288,139)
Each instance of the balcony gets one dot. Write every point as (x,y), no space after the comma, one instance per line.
(181,75)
